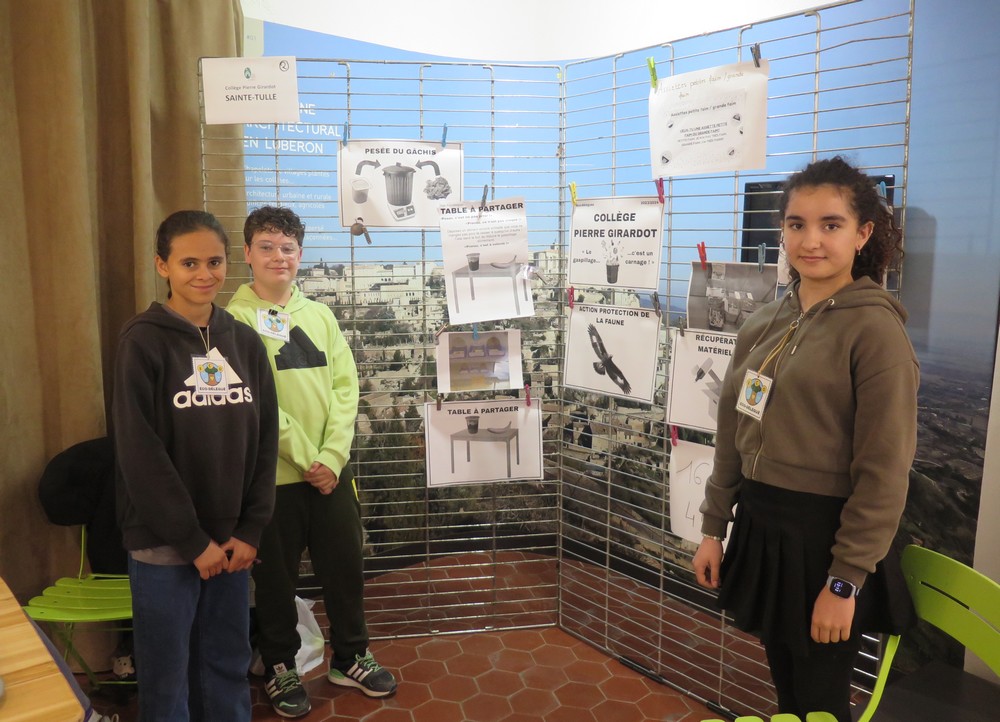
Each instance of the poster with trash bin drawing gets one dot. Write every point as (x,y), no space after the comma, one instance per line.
(722,296)
(475,441)
(397,183)
(616,242)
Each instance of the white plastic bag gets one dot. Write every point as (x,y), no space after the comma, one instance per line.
(310,654)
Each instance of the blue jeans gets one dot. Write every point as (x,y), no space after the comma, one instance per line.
(192,648)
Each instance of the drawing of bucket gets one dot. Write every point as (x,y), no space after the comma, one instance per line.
(472,424)
(473,259)
(359,190)
(612,273)
(398,184)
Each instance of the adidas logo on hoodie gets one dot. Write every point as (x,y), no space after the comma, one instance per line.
(239,395)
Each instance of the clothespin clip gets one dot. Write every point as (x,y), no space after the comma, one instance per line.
(572,192)
(681,326)
(883,194)
(755,52)
(761,255)
(437,334)
(272,312)
(347,134)
(482,203)
(444,135)
(527,393)
(659,190)
(475,332)
(572,296)
(673,435)
(703,255)
(439,399)
(656,304)
(651,62)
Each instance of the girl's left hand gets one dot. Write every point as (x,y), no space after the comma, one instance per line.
(832,618)
(241,555)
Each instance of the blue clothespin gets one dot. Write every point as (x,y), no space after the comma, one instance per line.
(444,135)
(651,62)
(475,332)
(347,134)
(761,254)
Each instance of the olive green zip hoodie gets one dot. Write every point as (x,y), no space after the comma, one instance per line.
(841,419)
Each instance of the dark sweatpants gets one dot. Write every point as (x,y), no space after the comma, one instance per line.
(330,525)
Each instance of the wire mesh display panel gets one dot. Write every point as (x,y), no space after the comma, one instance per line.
(590,546)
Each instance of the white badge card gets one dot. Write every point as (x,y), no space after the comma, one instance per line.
(273,324)
(753,394)
(209,375)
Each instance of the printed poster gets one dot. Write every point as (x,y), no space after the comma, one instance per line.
(722,296)
(612,350)
(476,441)
(490,362)
(698,363)
(709,120)
(397,183)
(690,466)
(616,242)
(250,90)
(486,260)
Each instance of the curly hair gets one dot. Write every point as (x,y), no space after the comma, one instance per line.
(886,240)
(272,219)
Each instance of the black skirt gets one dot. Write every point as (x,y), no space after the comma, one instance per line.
(777,561)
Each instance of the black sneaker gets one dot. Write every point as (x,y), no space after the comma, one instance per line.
(364,673)
(288,696)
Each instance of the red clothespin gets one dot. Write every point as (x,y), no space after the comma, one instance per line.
(659,190)
(703,255)
(527,393)
(673,435)
(440,398)
(572,296)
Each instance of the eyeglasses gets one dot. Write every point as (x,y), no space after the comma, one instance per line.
(286,249)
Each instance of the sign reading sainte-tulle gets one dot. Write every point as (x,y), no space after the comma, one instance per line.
(250,90)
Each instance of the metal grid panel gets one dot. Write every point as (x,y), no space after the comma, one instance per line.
(389,300)
(839,83)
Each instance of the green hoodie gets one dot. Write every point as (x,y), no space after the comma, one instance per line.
(317,384)
(841,419)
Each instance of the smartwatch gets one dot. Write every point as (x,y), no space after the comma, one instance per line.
(841,587)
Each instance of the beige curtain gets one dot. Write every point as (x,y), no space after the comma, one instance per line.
(99,118)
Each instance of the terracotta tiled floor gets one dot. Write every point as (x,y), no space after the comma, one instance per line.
(515,676)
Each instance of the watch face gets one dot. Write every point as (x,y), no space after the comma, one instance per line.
(842,588)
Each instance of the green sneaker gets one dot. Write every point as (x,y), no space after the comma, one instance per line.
(284,688)
(364,673)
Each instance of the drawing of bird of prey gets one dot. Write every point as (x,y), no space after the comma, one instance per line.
(606,366)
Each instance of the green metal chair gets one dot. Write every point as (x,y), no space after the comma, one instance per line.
(785,717)
(956,599)
(83,599)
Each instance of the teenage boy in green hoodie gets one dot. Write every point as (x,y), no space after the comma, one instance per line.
(317,504)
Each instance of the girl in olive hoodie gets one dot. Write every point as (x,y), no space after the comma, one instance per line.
(816,436)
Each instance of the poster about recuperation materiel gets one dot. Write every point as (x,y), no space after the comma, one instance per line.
(616,242)
(709,120)
(698,363)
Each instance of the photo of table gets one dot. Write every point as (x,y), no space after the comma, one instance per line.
(468,437)
(490,270)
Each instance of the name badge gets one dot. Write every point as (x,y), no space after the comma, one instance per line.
(210,375)
(273,324)
(754,394)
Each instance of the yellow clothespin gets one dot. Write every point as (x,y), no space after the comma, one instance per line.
(572,191)
(651,62)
